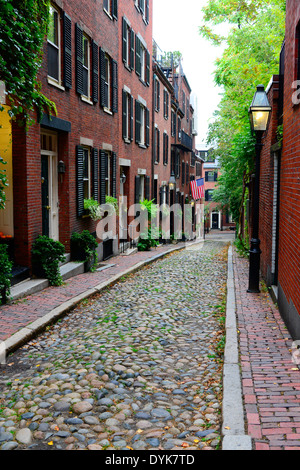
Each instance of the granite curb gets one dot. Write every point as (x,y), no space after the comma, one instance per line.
(233,428)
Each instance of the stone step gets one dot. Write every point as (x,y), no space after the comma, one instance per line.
(31,286)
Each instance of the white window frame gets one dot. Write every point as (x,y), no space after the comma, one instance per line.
(108,177)
(107,10)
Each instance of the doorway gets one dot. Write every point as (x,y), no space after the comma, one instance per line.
(215,220)
(49,185)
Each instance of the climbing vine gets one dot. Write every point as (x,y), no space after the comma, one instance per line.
(23,26)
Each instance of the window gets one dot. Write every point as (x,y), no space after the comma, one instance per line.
(142,61)
(86,66)
(128,45)
(156,144)
(127,116)
(142,124)
(143,7)
(211,176)
(108,83)
(209,195)
(111,8)
(87,174)
(156,94)
(108,173)
(54,44)
(173,123)
(183,101)
(166,149)
(166,104)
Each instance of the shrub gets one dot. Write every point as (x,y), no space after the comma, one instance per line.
(83,247)
(47,254)
(5,273)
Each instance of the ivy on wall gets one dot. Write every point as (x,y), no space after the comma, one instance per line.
(23,26)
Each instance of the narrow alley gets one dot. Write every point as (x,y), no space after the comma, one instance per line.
(138,366)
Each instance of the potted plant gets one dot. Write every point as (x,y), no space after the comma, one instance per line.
(5,274)
(83,248)
(46,256)
(93,209)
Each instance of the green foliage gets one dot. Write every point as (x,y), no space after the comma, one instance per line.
(147,240)
(256,30)
(83,247)
(5,273)
(113,202)
(150,207)
(3,184)
(48,253)
(23,25)
(94,209)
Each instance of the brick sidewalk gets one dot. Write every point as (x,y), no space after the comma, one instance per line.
(270,379)
(17,315)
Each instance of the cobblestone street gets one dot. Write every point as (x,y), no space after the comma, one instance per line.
(138,366)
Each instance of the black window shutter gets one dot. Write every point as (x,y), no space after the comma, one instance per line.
(132,40)
(131,118)
(95,174)
(215,176)
(67,54)
(114,66)
(206,176)
(165,103)
(102,78)
(167,195)
(147,187)
(124,114)
(103,171)
(155,93)
(183,172)
(79,59)
(137,122)
(148,68)
(158,95)
(95,72)
(124,40)
(114,175)
(187,173)
(79,181)
(137,56)
(115,9)
(147,127)
(137,189)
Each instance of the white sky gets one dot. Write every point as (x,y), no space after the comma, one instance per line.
(175,28)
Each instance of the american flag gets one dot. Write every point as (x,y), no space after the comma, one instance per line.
(197,187)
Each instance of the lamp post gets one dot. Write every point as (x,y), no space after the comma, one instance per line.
(259,113)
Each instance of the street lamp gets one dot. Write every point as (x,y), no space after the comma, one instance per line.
(259,114)
(172,182)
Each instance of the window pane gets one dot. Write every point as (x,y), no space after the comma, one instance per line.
(53,26)
(85,44)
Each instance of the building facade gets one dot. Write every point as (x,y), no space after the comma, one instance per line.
(123,128)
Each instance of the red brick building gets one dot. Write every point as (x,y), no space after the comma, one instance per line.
(280,176)
(108,137)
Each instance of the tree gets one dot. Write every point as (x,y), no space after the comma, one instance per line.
(255,34)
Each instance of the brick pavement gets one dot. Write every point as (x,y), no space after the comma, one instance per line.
(270,379)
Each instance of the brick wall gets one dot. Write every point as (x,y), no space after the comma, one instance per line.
(289,234)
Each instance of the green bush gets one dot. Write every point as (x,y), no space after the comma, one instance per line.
(47,254)
(5,273)
(83,247)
